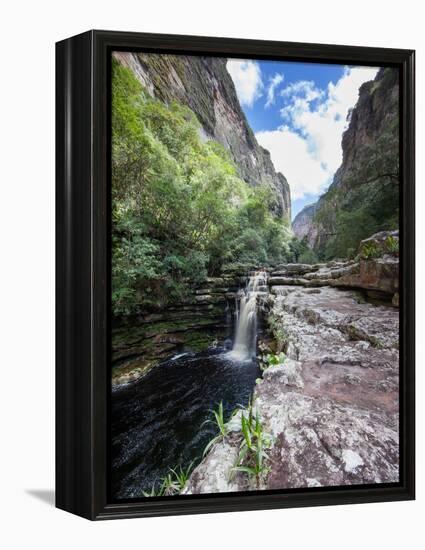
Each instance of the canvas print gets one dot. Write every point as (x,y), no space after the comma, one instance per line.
(254,275)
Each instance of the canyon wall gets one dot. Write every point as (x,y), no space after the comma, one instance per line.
(204,85)
(363,197)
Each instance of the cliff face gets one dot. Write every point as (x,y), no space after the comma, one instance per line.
(303,227)
(375,113)
(369,169)
(204,85)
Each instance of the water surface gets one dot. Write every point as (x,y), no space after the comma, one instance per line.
(157,422)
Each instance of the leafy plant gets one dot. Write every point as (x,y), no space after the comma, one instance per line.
(220,423)
(392,245)
(252,452)
(181,475)
(171,484)
(271,359)
(154,491)
(300,252)
(369,251)
(275,359)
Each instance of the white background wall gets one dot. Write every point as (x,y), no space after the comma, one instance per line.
(29,30)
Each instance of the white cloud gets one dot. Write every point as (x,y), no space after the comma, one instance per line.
(246,76)
(273,84)
(307,149)
(291,156)
(305,88)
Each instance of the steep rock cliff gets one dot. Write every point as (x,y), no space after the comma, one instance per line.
(204,85)
(303,226)
(368,176)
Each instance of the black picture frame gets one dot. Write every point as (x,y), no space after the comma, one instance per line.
(82,273)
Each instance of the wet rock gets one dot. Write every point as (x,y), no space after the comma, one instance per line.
(210,299)
(281,290)
(203,317)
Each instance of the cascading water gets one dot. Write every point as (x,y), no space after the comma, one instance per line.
(245,343)
(160,421)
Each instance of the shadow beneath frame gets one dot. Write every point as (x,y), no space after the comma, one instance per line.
(45,495)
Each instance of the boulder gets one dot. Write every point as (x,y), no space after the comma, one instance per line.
(380,274)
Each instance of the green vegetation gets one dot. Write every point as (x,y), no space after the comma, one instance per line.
(369,251)
(172,484)
(179,210)
(154,491)
(376,249)
(300,252)
(271,359)
(365,199)
(392,245)
(252,452)
(308,257)
(255,441)
(357,214)
(220,423)
(278,333)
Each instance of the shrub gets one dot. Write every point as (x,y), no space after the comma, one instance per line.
(369,251)
(392,245)
(308,257)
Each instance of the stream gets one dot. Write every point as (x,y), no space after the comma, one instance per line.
(158,423)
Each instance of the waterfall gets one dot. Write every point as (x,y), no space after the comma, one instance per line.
(245,343)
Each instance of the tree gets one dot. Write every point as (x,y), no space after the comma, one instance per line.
(179,210)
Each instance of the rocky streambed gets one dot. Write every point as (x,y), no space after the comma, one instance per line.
(331,406)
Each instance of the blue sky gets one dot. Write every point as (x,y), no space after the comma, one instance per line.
(298,112)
